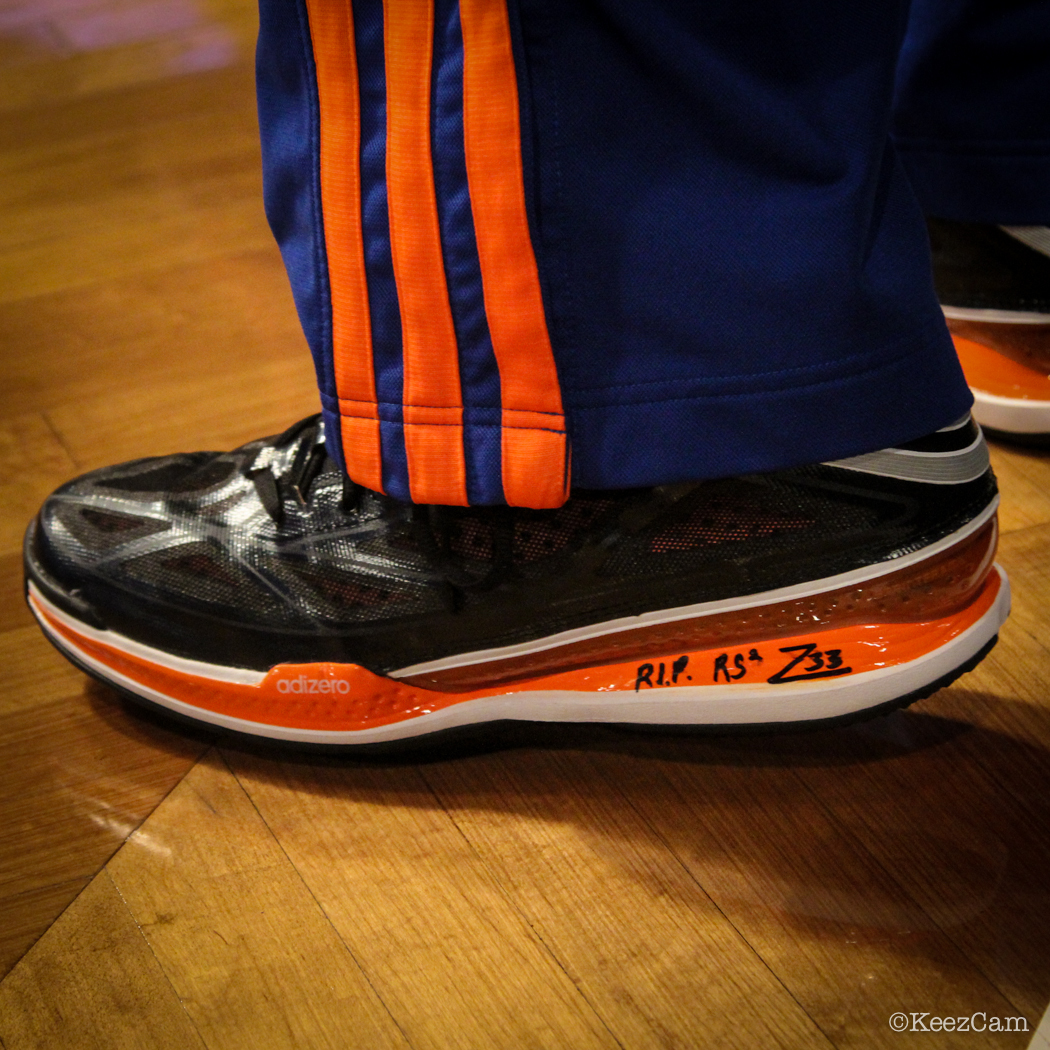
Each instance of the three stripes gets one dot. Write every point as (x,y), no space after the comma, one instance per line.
(435,328)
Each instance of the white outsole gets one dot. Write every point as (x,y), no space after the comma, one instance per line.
(1013,415)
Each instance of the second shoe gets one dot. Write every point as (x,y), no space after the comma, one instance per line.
(994,286)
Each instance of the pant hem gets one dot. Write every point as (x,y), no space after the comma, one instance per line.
(1005,183)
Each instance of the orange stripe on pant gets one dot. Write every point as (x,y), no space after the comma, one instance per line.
(535,445)
(335,58)
(433,400)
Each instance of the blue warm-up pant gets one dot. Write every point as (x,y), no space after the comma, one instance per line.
(614,243)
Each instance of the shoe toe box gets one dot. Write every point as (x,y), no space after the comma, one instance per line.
(94,532)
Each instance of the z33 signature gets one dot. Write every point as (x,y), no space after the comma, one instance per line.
(805,662)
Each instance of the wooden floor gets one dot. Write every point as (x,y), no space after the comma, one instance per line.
(574,888)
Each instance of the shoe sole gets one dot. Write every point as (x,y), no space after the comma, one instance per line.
(1010,400)
(1016,419)
(807,679)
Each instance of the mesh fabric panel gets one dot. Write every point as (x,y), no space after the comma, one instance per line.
(202,572)
(101,530)
(546,533)
(742,518)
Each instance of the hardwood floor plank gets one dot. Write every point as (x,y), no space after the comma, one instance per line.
(32,462)
(209,320)
(262,400)
(447,952)
(239,936)
(956,839)
(35,674)
(831,923)
(1026,556)
(25,917)
(78,789)
(1024,484)
(92,982)
(41,62)
(1041,1037)
(643,942)
(14,612)
(983,828)
(77,776)
(126,182)
(208,355)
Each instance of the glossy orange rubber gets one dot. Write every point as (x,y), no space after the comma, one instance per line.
(994,373)
(346,697)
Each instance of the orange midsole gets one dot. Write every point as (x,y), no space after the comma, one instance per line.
(343,697)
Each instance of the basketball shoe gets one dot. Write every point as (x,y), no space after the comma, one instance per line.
(994,286)
(261,592)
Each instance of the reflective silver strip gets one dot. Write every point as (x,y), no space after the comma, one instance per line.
(933,468)
(1037,237)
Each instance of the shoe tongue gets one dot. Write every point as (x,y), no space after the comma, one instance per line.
(658,501)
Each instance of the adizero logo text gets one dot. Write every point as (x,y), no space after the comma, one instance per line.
(302,684)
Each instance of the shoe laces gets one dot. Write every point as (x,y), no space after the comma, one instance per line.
(432,526)
(308,463)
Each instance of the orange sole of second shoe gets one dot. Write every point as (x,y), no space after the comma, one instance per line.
(1007,395)
(811,676)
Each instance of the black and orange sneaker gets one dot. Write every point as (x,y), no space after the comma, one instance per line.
(261,592)
(994,286)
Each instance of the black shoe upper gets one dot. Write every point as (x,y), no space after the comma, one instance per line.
(982,267)
(267,554)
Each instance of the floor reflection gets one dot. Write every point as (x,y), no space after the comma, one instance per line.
(181,36)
